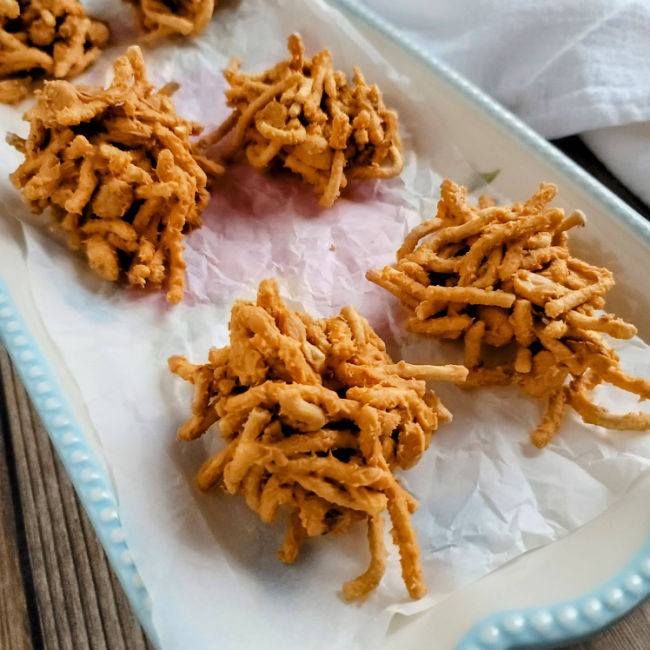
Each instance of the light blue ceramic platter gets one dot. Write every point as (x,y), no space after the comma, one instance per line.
(550,625)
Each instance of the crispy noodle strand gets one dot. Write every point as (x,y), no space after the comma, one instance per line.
(160,18)
(50,38)
(119,175)
(503,277)
(316,417)
(305,115)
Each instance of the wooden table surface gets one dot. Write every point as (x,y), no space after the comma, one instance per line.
(56,587)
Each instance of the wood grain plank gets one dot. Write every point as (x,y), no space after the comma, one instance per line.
(107,596)
(75,557)
(47,600)
(47,515)
(81,604)
(128,620)
(14,622)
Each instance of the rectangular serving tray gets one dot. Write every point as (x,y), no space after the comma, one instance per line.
(556,594)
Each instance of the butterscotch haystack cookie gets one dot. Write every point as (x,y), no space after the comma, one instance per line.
(503,277)
(304,115)
(117,170)
(316,417)
(159,18)
(53,38)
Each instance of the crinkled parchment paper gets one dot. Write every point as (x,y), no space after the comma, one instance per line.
(209,564)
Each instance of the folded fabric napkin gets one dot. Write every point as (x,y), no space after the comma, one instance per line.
(563,66)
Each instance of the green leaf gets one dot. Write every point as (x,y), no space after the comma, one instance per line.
(481,179)
(488,177)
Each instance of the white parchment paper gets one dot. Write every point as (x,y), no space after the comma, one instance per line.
(209,564)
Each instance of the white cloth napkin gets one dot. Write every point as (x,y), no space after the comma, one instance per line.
(563,66)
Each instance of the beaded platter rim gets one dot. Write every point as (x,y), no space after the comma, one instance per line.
(588,613)
(532,627)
